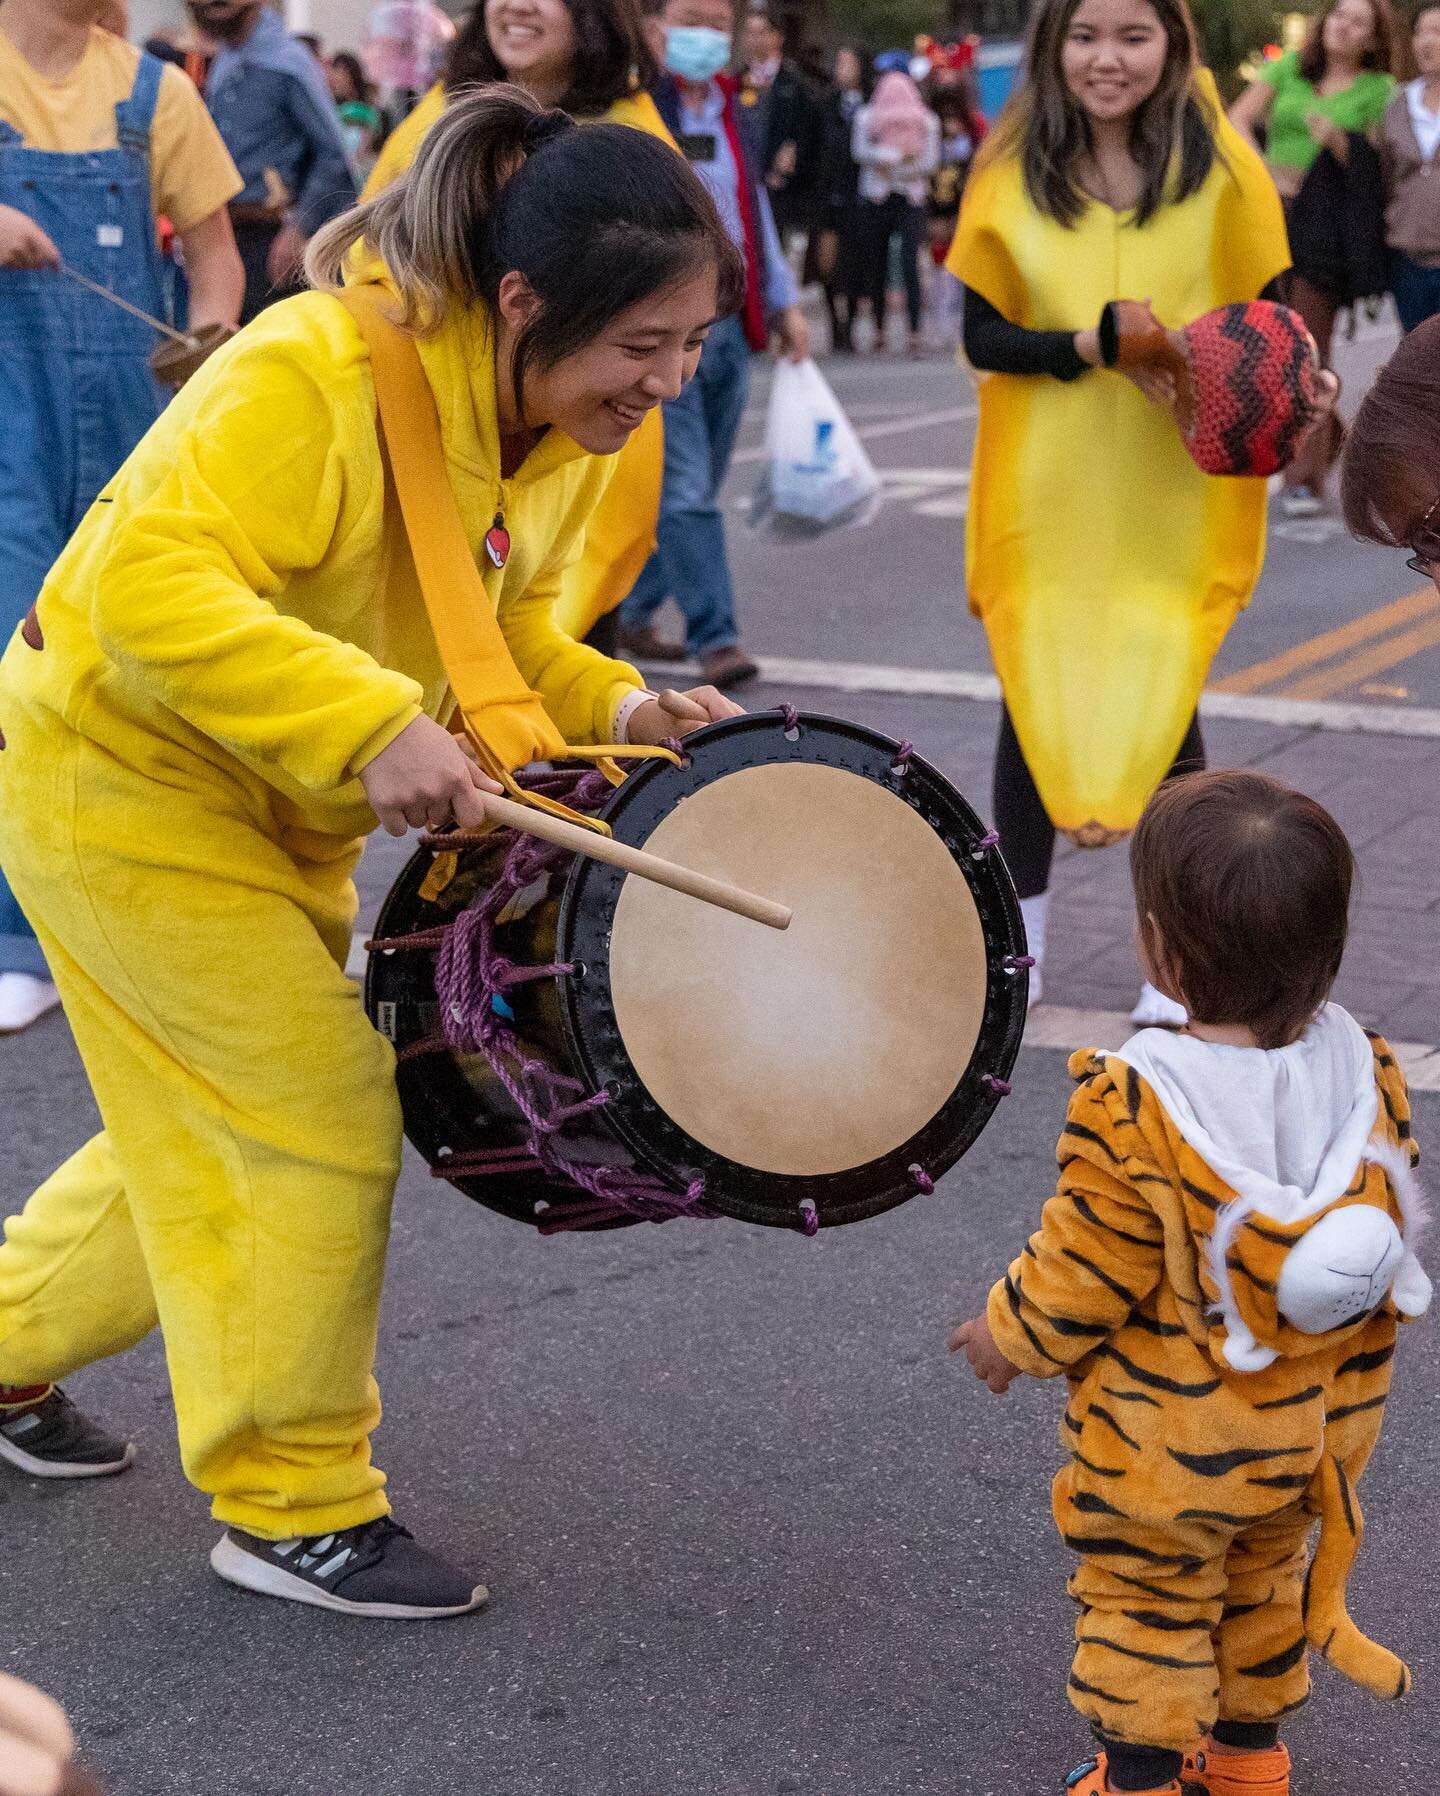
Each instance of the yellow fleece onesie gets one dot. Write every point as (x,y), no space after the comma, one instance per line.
(233,634)
(1192,1485)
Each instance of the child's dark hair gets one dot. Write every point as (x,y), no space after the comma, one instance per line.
(1242,887)
(612,55)
(596,218)
(1390,480)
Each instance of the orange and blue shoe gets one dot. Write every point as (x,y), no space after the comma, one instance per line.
(1091,1779)
(1225,1771)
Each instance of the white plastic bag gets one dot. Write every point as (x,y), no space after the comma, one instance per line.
(817,475)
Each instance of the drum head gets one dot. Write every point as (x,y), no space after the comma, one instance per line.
(843,1063)
(825,1046)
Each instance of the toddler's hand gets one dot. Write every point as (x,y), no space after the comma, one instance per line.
(978,1345)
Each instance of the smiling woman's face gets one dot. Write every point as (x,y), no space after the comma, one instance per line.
(1113,56)
(533,41)
(644,356)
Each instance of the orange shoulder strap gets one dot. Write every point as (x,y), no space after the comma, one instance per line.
(502,715)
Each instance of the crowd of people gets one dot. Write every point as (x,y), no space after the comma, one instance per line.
(565,258)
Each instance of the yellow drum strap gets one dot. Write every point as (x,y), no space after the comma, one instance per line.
(501,712)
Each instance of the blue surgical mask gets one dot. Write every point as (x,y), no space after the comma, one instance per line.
(695,52)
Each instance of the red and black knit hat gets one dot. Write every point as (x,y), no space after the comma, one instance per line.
(1254,387)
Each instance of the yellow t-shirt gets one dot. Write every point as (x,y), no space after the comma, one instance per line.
(190,168)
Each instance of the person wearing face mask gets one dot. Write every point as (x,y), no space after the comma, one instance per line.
(267,95)
(234,673)
(691,565)
(1335,88)
(1111,180)
(592,58)
(97,140)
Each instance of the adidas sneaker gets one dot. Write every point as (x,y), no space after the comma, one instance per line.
(51,1438)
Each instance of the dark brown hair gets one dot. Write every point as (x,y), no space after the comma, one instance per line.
(1390,477)
(1380,55)
(1242,886)
(612,56)
(1172,136)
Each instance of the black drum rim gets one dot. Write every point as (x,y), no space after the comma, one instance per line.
(659,1144)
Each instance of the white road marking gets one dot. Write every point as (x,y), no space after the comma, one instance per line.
(942,682)
(1055,1026)
(891,427)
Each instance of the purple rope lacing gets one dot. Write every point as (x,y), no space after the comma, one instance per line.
(923,1183)
(471,971)
(1001,1087)
(991,839)
(789,718)
(1017,963)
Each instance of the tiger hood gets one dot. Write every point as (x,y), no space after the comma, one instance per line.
(1293,1133)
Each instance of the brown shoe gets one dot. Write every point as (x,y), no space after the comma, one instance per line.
(645,645)
(728,667)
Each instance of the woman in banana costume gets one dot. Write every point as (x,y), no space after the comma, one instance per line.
(589,57)
(1105,566)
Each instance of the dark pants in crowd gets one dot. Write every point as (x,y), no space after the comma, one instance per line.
(1027,836)
(691,565)
(253,239)
(1416,289)
(879,224)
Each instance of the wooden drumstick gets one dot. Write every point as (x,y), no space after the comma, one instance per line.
(635,860)
(679,705)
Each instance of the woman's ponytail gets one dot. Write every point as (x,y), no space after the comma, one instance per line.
(431,229)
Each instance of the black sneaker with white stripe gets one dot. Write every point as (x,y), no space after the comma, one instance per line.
(52,1439)
(376,1569)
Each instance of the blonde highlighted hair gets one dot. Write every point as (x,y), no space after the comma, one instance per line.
(501,186)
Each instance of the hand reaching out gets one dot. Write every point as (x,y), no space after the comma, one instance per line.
(975,1341)
(678,713)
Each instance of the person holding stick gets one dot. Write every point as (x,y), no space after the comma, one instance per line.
(218,695)
(96,141)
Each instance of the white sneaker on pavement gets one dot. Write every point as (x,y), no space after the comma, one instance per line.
(23,998)
(1153,1010)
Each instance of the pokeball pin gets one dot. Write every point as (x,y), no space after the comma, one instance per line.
(497,541)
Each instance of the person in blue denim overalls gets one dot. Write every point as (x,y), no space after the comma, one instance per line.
(74,370)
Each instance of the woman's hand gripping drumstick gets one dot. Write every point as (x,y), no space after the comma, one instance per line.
(425,779)
(679,713)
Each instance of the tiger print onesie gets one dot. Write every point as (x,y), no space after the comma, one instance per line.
(1219,1276)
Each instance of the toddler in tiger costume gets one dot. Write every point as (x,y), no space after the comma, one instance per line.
(1219,1277)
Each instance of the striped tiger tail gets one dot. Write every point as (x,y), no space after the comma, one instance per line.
(1328,1625)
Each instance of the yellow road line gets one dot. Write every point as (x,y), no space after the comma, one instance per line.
(1268,674)
(1379,657)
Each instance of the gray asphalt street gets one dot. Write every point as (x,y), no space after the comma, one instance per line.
(748,1529)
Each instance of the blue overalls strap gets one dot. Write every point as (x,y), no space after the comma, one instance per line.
(134,116)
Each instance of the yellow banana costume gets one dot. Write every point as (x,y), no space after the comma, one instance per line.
(1106,568)
(1191,1487)
(621,532)
(233,634)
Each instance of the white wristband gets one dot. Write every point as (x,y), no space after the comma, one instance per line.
(626,709)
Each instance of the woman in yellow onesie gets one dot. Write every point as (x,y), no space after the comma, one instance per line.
(1105,566)
(227,677)
(591,58)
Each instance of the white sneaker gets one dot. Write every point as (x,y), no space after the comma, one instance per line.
(1153,1010)
(1035,914)
(1300,502)
(23,998)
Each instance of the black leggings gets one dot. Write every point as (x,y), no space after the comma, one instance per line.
(1027,836)
(879,223)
